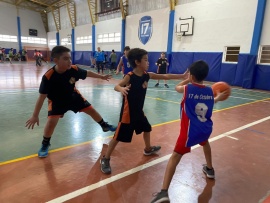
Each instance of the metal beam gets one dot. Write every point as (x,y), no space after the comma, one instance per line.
(124,8)
(172,3)
(56,18)
(18,2)
(71,13)
(92,4)
(40,3)
(44,18)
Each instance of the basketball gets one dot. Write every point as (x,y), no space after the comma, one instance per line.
(221,87)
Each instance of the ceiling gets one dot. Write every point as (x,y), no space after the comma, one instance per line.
(42,6)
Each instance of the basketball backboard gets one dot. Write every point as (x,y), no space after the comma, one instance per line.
(185,26)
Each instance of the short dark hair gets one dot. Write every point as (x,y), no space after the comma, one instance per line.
(113,50)
(136,54)
(199,70)
(127,48)
(57,51)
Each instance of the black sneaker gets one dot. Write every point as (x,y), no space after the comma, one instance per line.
(105,165)
(161,197)
(157,85)
(107,127)
(166,85)
(153,150)
(210,173)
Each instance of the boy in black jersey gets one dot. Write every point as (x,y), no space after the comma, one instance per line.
(132,118)
(162,64)
(58,85)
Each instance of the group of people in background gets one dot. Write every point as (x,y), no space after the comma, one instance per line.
(11,56)
(124,66)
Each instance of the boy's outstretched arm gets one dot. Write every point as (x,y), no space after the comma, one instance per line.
(34,119)
(95,75)
(168,76)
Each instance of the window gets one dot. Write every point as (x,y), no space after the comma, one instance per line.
(8,38)
(231,54)
(264,55)
(109,37)
(34,40)
(65,41)
(84,40)
(52,42)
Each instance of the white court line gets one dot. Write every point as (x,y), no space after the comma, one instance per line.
(142,167)
(232,137)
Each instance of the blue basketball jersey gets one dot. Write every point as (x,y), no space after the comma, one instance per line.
(127,67)
(197,104)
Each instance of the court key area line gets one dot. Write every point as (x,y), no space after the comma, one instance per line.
(142,167)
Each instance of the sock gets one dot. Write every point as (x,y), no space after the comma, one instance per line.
(46,140)
(102,123)
(163,190)
(208,168)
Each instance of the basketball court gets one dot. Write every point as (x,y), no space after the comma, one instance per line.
(71,173)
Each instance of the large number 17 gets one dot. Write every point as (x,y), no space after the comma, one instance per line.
(144,28)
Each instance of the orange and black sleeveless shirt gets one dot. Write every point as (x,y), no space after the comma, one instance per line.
(132,106)
(60,87)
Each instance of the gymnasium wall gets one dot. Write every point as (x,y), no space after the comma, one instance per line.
(158,40)
(265,38)
(217,24)
(29,20)
(109,26)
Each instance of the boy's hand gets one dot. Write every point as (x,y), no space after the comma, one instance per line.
(31,122)
(106,77)
(221,96)
(124,90)
(186,74)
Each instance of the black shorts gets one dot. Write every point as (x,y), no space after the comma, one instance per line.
(162,70)
(77,103)
(124,131)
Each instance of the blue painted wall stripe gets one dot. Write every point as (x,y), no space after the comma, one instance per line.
(93,38)
(258,27)
(57,39)
(123,35)
(19,33)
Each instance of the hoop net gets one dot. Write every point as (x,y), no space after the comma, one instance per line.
(179,36)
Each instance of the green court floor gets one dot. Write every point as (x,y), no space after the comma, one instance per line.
(161,105)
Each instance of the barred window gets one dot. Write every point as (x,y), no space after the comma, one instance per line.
(264,55)
(231,54)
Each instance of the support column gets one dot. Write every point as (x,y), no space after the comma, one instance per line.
(73,44)
(258,27)
(57,39)
(123,35)
(19,33)
(93,38)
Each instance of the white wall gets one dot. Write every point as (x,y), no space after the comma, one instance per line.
(265,38)
(217,24)
(28,20)
(109,26)
(51,36)
(158,41)
(81,31)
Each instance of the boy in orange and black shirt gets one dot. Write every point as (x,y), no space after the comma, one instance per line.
(58,85)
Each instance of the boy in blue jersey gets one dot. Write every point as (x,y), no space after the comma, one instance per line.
(123,63)
(132,118)
(196,124)
(58,85)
